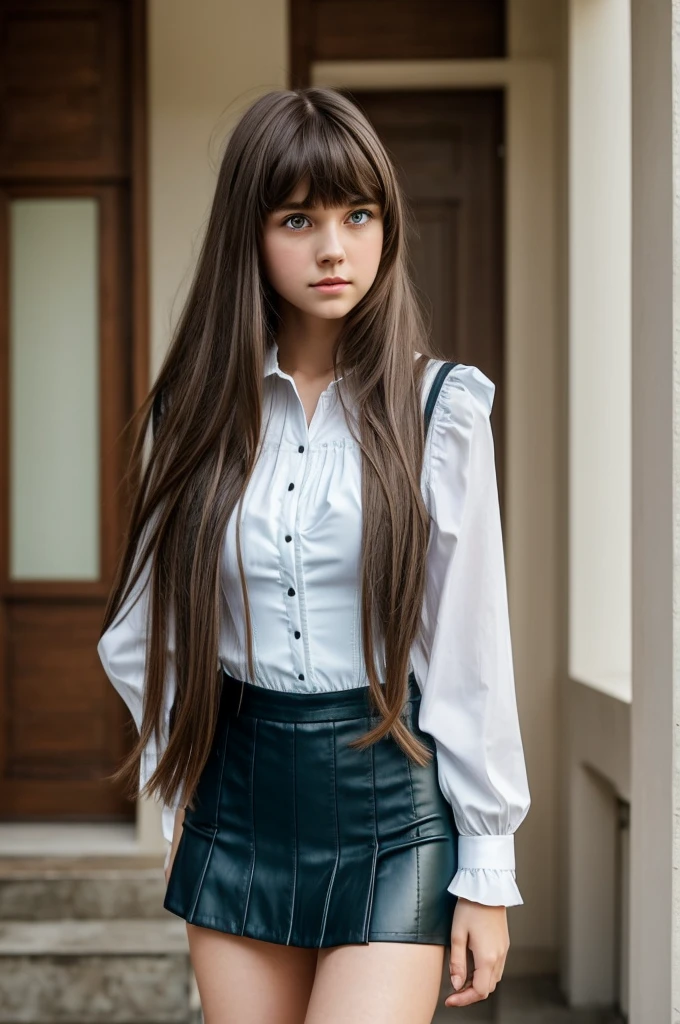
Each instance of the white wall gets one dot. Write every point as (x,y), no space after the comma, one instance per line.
(597,685)
(599,345)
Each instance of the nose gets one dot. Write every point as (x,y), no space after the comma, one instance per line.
(330,249)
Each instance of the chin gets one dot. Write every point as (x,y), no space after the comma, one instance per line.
(332,314)
(328,310)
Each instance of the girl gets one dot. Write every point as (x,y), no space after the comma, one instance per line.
(309,622)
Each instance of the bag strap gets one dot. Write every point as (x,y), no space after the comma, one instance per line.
(435,388)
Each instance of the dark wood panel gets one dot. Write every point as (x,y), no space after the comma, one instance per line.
(435,250)
(402,29)
(448,147)
(63,90)
(61,720)
(394,30)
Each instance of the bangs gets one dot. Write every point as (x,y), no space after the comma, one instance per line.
(339,171)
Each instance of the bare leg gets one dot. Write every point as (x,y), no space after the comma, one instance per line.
(378,983)
(248,981)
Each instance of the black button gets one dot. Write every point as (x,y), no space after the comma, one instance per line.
(291,486)
(301,676)
(301,448)
(298,634)
(288,537)
(291,592)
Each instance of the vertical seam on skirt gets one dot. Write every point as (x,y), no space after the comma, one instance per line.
(219,784)
(200,884)
(252,818)
(295,839)
(371,891)
(215,826)
(413,801)
(337,841)
(417,848)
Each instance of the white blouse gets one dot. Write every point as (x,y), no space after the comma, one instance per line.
(301,540)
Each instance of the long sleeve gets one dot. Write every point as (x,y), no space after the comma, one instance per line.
(122,652)
(463,656)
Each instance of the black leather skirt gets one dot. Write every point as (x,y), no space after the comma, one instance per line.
(296,838)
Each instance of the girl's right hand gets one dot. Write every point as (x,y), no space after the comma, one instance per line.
(176,836)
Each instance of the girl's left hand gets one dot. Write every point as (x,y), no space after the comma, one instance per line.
(485,930)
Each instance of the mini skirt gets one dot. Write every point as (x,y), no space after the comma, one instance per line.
(296,838)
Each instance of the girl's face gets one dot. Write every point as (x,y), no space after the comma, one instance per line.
(303,246)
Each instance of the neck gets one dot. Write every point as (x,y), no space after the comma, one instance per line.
(306,343)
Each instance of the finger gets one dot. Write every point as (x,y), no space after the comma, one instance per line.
(458,960)
(478,991)
(481,980)
(465,998)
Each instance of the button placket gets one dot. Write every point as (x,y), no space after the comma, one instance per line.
(289,553)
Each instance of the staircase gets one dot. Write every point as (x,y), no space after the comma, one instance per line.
(85,940)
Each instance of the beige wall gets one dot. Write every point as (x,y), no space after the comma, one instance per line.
(207,62)
(655,720)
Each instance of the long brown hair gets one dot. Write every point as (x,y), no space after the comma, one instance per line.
(206,442)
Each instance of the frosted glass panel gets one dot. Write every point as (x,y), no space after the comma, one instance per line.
(54,401)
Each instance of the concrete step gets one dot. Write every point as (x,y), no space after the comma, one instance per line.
(53,888)
(91,972)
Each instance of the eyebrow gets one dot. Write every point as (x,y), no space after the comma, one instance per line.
(305,207)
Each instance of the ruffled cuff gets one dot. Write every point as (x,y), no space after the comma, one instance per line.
(486,870)
(492,886)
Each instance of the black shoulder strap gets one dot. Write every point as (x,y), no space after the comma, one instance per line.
(435,388)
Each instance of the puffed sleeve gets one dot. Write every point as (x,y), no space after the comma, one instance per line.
(122,652)
(462,658)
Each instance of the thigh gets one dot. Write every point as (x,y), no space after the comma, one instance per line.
(246,981)
(377,983)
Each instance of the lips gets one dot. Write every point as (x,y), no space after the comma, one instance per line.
(330,280)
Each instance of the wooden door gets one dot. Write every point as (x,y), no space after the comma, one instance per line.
(448,149)
(70,374)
